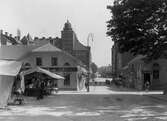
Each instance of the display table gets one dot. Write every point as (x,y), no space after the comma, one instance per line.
(35,91)
(31,91)
(51,90)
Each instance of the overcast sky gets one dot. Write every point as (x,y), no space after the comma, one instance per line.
(47,18)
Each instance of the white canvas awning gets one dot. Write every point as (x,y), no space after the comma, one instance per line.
(10,68)
(38,69)
(8,71)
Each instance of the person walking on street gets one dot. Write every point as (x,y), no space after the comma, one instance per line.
(147,85)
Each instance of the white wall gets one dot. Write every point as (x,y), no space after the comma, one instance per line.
(62,59)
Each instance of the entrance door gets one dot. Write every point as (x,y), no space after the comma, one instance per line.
(67,80)
(147,77)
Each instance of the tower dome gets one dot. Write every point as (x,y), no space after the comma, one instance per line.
(67,26)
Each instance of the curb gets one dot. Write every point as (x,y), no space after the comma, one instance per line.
(158,98)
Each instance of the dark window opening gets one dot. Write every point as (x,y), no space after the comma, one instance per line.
(54,61)
(66,64)
(67,80)
(156,68)
(155,74)
(39,61)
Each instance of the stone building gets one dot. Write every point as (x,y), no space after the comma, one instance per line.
(7,39)
(137,71)
(69,43)
(155,72)
(50,58)
(72,58)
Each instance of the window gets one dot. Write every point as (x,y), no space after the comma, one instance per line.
(54,61)
(156,71)
(27,65)
(155,74)
(66,64)
(39,61)
(67,80)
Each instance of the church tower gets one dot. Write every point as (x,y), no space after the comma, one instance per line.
(68,37)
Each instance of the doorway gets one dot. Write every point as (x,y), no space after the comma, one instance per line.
(147,78)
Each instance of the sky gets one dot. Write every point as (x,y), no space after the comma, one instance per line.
(47,17)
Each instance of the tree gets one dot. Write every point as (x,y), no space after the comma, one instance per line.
(94,67)
(94,70)
(139,26)
(105,71)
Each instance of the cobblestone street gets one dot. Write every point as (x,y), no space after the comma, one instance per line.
(97,105)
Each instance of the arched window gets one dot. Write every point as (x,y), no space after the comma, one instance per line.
(66,64)
(156,68)
(27,65)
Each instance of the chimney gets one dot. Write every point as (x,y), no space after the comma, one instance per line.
(35,38)
(1,31)
(10,35)
(6,33)
(2,41)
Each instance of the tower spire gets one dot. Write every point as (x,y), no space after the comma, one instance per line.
(67,25)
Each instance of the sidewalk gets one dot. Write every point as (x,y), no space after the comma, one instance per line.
(159,97)
(162,97)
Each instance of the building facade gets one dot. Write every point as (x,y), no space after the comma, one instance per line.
(136,71)
(7,39)
(50,58)
(69,42)
(65,56)
(154,72)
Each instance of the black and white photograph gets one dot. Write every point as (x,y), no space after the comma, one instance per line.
(83,60)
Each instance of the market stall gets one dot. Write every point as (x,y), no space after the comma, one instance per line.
(40,76)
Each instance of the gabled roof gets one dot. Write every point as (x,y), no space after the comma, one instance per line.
(18,52)
(24,40)
(79,46)
(27,39)
(137,59)
(15,52)
(51,48)
(10,39)
(47,48)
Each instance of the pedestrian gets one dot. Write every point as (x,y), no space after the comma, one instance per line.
(86,85)
(147,85)
(39,90)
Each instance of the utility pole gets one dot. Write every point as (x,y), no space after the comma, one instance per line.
(90,37)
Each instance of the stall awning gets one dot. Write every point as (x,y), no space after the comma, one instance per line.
(10,68)
(38,69)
